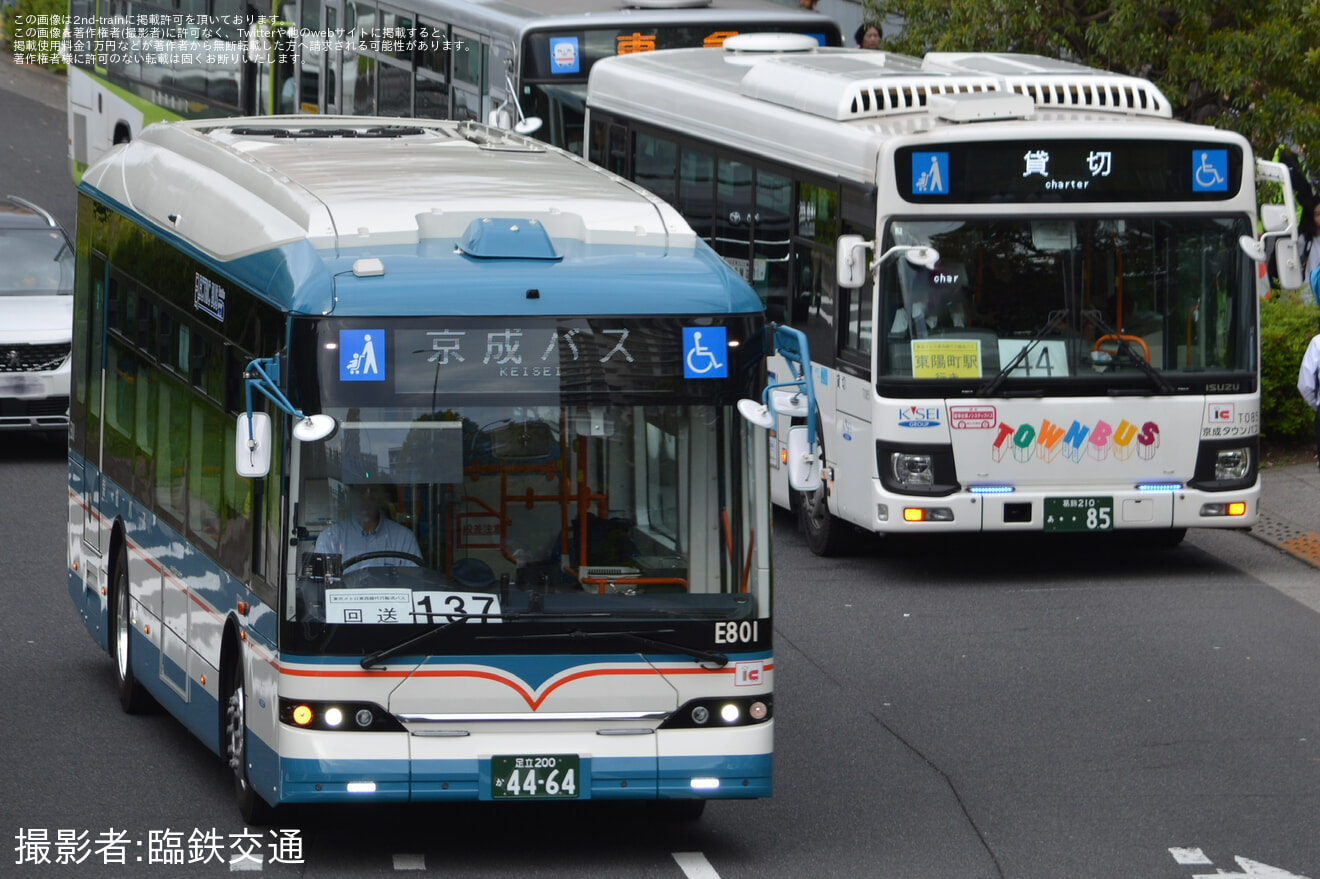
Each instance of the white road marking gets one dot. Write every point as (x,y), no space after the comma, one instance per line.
(410,862)
(695,866)
(1189,856)
(1250,870)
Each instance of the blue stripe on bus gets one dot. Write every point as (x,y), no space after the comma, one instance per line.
(159,542)
(326,781)
(200,712)
(590,279)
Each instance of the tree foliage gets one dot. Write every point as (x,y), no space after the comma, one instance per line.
(1253,67)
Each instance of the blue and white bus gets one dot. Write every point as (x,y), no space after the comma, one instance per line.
(548,389)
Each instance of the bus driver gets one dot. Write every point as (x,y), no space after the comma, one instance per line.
(369,531)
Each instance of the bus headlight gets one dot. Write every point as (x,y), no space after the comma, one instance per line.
(738,711)
(912,469)
(327,716)
(1232,463)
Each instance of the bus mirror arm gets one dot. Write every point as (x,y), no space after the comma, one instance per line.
(263,375)
(853,269)
(794,398)
(499,117)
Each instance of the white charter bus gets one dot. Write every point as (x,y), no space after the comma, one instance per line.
(1030,295)
(407,464)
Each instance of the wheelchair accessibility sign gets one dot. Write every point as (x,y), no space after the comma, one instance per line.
(705,352)
(1210,170)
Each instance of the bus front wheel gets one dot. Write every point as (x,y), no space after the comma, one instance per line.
(826,535)
(253,808)
(132,697)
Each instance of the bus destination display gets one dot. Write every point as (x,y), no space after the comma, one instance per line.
(1090,170)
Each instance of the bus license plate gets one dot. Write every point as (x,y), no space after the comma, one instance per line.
(1079,514)
(535,777)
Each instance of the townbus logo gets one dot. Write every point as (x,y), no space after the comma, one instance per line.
(1077,442)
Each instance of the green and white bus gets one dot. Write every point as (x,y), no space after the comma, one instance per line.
(520,64)
(548,387)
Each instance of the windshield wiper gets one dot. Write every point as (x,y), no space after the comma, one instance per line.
(1052,322)
(374,659)
(1126,347)
(719,660)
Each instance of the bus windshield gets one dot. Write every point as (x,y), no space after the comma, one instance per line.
(1058,299)
(520,494)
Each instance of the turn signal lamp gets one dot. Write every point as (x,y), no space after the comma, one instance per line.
(302,715)
(1231,508)
(927,514)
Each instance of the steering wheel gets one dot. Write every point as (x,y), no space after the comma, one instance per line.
(382,554)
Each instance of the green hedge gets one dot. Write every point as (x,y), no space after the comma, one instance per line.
(1287,323)
(23,15)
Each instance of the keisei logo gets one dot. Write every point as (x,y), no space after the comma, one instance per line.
(919,416)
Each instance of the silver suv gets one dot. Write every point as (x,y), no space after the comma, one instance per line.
(36,318)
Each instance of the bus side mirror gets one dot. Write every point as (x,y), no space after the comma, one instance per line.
(850,261)
(1288,265)
(803,463)
(252,445)
(1274,218)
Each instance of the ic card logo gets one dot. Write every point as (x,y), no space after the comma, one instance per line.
(1221,413)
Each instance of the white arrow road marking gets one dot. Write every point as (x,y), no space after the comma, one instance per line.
(1250,870)
(1190,856)
(695,865)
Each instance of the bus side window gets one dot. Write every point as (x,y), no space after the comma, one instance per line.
(655,165)
(771,267)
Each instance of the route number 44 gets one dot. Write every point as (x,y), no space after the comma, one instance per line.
(1048,359)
